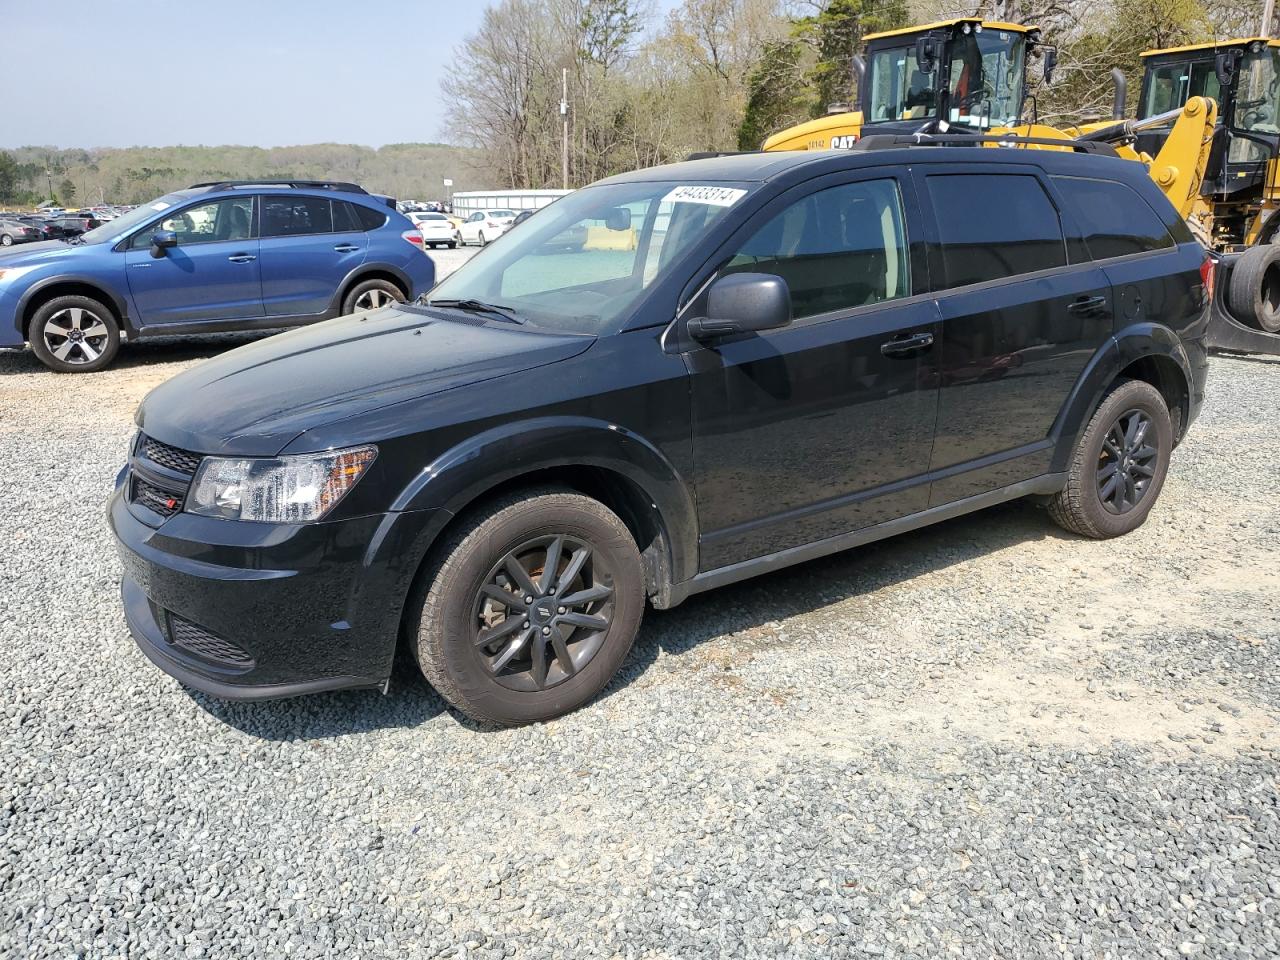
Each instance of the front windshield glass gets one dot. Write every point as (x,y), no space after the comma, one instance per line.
(987,78)
(900,90)
(580,264)
(126,222)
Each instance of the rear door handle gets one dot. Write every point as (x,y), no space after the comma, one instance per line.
(1087,305)
(346,248)
(907,345)
(242,258)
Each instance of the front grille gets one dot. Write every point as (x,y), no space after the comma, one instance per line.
(153,498)
(206,645)
(183,461)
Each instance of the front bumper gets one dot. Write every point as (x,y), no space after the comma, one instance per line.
(252,611)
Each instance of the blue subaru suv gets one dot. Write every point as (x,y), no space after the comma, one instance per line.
(230,255)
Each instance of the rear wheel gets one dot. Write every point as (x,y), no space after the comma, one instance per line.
(1255,287)
(530,609)
(370,295)
(1119,464)
(74,335)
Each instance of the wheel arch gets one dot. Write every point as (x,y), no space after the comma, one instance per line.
(63,286)
(376,271)
(601,460)
(1144,351)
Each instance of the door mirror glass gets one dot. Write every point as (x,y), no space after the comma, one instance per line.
(1050,63)
(743,302)
(1224,66)
(161,241)
(926,54)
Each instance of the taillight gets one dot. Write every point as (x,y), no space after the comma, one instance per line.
(1208,270)
(414,237)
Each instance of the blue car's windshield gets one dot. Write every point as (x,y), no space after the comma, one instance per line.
(135,217)
(579,264)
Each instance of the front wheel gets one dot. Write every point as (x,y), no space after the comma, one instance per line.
(74,335)
(530,608)
(483,241)
(6,240)
(1119,464)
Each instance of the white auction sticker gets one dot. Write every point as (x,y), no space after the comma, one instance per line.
(160,205)
(716,196)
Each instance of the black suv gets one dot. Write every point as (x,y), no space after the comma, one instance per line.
(750,361)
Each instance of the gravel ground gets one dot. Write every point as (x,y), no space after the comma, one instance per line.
(984,739)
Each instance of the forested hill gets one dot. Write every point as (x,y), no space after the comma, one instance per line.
(137,174)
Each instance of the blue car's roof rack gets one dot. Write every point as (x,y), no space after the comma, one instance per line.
(273,182)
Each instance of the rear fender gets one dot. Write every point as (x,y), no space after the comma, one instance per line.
(465,473)
(1127,346)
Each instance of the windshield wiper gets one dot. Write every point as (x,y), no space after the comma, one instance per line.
(477,306)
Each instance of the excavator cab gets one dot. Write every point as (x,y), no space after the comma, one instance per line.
(1243,76)
(954,76)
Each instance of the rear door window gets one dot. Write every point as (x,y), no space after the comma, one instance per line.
(295,216)
(1116,221)
(995,225)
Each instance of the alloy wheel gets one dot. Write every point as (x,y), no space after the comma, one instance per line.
(373,299)
(75,335)
(543,612)
(1126,463)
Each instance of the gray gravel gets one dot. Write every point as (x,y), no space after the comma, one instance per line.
(984,739)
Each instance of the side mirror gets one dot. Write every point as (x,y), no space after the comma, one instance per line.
(926,53)
(619,218)
(161,241)
(741,303)
(1224,65)
(1050,63)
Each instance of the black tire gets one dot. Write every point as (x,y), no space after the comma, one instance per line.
(371,291)
(483,241)
(451,244)
(91,339)
(1254,291)
(1083,506)
(451,608)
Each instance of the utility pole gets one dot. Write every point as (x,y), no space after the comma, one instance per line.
(1268,12)
(564,120)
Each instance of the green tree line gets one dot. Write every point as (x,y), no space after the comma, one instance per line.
(31,175)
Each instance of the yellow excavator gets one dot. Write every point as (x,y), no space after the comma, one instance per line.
(1237,210)
(968,76)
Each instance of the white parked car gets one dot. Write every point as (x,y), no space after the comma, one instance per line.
(486,226)
(436,229)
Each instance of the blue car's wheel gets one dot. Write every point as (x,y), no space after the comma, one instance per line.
(74,335)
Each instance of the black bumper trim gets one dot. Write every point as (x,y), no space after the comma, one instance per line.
(146,633)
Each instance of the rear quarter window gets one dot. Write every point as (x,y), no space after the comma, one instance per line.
(995,225)
(1116,221)
(369,219)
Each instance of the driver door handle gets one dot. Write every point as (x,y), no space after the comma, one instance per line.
(907,345)
(1087,305)
(242,258)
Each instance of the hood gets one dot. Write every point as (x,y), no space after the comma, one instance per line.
(40,252)
(253,400)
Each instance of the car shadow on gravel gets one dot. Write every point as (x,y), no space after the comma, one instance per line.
(820,583)
(788,593)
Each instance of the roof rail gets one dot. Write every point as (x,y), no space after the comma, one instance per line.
(708,154)
(890,141)
(272,182)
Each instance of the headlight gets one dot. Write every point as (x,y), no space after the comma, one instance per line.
(279,490)
(13,273)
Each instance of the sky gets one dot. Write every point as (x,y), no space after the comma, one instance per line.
(258,72)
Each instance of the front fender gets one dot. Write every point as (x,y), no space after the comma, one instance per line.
(118,302)
(1126,346)
(467,471)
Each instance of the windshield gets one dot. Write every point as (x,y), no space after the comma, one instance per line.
(584,261)
(127,221)
(1257,97)
(986,78)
